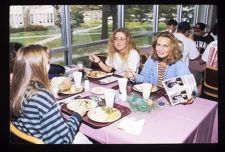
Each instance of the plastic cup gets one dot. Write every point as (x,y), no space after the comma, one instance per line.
(86,85)
(146,90)
(109,95)
(122,84)
(80,65)
(77,78)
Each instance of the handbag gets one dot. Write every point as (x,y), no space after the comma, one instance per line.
(55,71)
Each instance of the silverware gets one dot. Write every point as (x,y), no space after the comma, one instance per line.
(66,101)
(109,74)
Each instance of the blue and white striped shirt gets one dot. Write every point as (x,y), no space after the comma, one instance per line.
(40,117)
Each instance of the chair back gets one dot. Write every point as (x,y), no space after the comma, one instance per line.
(23,137)
(210,87)
(142,62)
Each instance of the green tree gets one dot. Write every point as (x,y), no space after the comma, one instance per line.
(107,11)
(137,13)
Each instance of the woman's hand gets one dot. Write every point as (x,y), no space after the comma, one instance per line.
(94,58)
(82,110)
(130,74)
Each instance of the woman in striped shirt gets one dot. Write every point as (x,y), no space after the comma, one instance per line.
(164,63)
(32,105)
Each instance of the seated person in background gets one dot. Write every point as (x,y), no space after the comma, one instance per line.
(13,48)
(190,51)
(122,53)
(171,26)
(164,63)
(210,55)
(201,38)
(214,31)
(32,105)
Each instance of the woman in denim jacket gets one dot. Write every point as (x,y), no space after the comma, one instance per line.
(165,62)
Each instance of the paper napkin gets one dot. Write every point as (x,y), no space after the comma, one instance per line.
(131,125)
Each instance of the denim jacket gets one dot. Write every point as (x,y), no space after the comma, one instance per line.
(149,72)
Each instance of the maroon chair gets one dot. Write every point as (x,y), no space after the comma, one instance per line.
(210,85)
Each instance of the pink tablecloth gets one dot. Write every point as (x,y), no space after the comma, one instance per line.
(195,123)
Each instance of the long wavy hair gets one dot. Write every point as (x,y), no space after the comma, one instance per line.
(175,53)
(30,65)
(130,44)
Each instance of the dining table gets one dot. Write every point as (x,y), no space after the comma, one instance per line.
(166,124)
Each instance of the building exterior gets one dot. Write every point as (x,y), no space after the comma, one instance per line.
(21,16)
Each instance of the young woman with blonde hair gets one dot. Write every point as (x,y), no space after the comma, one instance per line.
(32,105)
(122,53)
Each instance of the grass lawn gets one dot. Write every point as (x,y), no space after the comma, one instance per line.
(82,38)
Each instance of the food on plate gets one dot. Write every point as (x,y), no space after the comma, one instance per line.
(104,114)
(109,110)
(96,74)
(74,105)
(65,85)
(138,87)
(150,102)
(73,88)
(56,81)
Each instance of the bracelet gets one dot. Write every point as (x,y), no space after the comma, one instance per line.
(98,62)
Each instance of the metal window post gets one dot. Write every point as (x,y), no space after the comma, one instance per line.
(155,18)
(120,14)
(206,13)
(196,14)
(179,13)
(66,33)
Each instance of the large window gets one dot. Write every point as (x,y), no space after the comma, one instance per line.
(91,23)
(32,24)
(88,27)
(138,19)
(188,13)
(166,12)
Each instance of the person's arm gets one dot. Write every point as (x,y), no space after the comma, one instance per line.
(53,127)
(146,73)
(105,67)
(193,51)
(133,62)
(97,60)
(201,61)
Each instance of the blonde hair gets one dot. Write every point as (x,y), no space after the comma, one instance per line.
(175,53)
(29,65)
(130,44)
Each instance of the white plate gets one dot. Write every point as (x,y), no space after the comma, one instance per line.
(96,74)
(74,105)
(100,114)
(138,87)
(98,90)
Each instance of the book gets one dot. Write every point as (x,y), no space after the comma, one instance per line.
(180,89)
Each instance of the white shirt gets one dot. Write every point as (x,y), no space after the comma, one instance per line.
(133,62)
(190,50)
(205,55)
